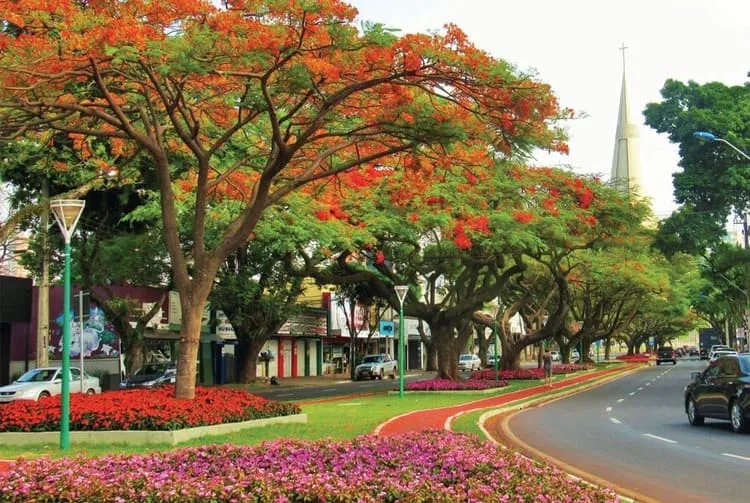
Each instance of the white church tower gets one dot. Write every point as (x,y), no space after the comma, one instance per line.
(626,163)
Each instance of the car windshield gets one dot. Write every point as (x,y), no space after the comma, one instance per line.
(372,359)
(151,369)
(466,357)
(37,375)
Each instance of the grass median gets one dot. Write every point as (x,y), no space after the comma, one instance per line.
(338,419)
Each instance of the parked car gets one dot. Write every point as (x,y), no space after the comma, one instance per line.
(693,352)
(720,352)
(47,381)
(722,391)
(556,356)
(469,362)
(703,354)
(152,375)
(491,360)
(666,354)
(376,366)
(575,355)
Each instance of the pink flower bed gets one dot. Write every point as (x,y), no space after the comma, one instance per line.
(436,466)
(448,385)
(536,373)
(641,358)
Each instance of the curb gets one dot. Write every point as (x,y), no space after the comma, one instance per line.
(623,494)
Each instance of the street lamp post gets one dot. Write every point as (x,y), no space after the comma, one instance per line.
(401,291)
(704,135)
(66,212)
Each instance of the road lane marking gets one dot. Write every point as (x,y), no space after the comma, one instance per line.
(631,393)
(329,389)
(640,389)
(609,409)
(615,420)
(620,400)
(285,394)
(368,385)
(660,438)
(658,377)
(648,384)
(735,456)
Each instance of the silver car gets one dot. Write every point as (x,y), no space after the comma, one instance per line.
(47,381)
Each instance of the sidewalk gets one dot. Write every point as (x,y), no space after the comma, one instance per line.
(438,418)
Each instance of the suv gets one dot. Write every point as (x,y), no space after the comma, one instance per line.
(666,354)
(151,375)
(376,366)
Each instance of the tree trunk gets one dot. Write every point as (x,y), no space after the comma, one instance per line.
(484,343)
(564,351)
(607,342)
(134,355)
(248,349)
(190,333)
(447,361)
(432,355)
(539,356)
(511,358)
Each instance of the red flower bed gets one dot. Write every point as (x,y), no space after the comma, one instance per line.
(536,373)
(155,409)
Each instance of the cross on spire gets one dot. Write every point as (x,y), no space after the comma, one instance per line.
(622,48)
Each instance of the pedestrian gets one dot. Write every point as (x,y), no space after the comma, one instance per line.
(547,363)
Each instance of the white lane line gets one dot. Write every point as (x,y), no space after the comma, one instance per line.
(660,438)
(648,384)
(285,394)
(620,400)
(367,385)
(615,420)
(640,389)
(609,409)
(329,389)
(631,393)
(658,377)
(735,456)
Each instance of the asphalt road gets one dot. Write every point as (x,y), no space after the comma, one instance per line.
(287,391)
(634,433)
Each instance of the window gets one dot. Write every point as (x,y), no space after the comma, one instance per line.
(728,366)
(75,374)
(712,371)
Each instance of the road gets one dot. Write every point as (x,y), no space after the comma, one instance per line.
(329,389)
(634,433)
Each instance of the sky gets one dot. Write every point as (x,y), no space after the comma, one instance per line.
(573,45)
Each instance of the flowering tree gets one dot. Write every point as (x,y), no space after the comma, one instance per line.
(246,101)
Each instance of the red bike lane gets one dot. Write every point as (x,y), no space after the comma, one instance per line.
(436,418)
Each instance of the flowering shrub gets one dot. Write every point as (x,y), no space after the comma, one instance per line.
(448,385)
(155,409)
(536,373)
(436,466)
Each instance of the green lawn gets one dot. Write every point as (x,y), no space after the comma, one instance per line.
(338,420)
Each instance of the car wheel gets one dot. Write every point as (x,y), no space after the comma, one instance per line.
(739,424)
(90,391)
(658,363)
(393,374)
(43,394)
(694,418)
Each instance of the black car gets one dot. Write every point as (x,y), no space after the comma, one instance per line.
(152,375)
(722,391)
(666,354)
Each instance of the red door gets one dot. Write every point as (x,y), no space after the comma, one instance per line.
(294,358)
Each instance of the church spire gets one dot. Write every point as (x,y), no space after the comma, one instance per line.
(626,165)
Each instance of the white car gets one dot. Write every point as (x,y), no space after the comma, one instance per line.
(47,381)
(556,356)
(721,352)
(469,362)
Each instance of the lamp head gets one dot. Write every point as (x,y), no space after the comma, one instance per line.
(401,291)
(704,135)
(67,212)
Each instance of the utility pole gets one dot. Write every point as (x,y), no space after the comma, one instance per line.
(42,318)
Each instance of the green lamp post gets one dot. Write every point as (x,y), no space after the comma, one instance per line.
(401,291)
(66,212)
(495,313)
